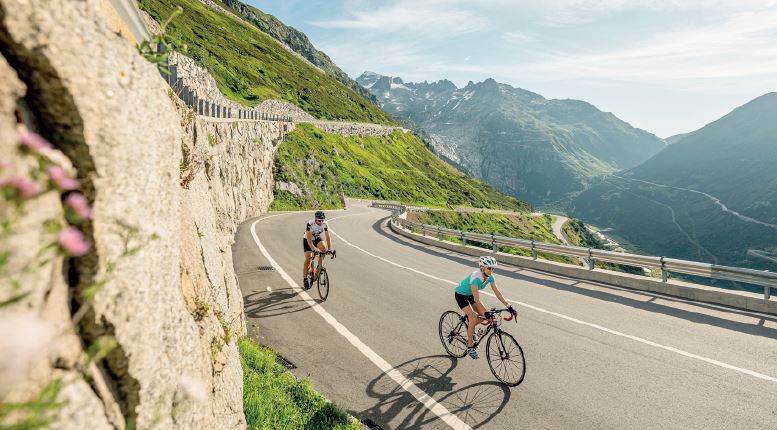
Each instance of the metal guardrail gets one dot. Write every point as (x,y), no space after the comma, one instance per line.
(205,107)
(765,279)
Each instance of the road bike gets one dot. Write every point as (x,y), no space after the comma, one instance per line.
(317,273)
(503,353)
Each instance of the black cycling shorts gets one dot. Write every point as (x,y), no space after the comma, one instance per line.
(316,241)
(463,300)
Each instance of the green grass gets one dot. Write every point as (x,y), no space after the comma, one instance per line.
(249,66)
(394,167)
(274,399)
(576,233)
(520,226)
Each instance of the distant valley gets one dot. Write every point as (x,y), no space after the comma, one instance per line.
(711,196)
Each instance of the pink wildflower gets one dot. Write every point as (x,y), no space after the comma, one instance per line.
(72,241)
(33,142)
(4,164)
(61,179)
(23,187)
(80,206)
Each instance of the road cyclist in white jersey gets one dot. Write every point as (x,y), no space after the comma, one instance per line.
(468,298)
(312,240)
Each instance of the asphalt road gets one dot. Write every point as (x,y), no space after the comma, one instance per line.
(597,356)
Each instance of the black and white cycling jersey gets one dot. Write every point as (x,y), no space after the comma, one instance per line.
(315,229)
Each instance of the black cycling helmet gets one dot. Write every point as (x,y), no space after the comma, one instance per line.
(320,215)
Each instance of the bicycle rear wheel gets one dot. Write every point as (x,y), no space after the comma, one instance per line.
(323,283)
(453,334)
(505,358)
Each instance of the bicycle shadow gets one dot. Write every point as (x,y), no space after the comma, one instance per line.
(281,301)
(475,404)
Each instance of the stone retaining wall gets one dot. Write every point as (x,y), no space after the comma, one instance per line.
(355,128)
(156,291)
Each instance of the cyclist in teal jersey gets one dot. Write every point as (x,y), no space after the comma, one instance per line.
(468,297)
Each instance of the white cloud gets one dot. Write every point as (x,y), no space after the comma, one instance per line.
(516,37)
(738,47)
(427,18)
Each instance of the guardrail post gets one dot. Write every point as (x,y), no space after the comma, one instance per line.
(664,273)
(463,239)
(767,292)
(590,262)
(533,251)
(439,233)
(493,241)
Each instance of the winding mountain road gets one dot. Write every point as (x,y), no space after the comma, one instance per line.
(714,199)
(558,228)
(597,356)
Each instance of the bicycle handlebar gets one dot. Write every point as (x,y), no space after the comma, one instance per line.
(332,252)
(491,313)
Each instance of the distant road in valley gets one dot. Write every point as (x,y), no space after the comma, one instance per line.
(711,197)
(558,228)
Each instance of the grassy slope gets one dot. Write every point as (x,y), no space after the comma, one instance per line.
(249,66)
(521,226)
(576,233)
(395,167)
(274,399)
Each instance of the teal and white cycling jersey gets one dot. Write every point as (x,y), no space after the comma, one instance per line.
(473,278)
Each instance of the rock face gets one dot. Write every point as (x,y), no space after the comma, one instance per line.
(154,304)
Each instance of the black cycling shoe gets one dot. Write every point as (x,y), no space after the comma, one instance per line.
(305,284)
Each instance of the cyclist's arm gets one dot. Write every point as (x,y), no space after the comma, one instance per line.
(499,294)
(328,240)
(309,235)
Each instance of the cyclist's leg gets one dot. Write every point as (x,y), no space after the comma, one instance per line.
(471,324)
(479,309)
(321,247)
(308,254)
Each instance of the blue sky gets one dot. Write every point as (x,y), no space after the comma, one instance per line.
(667,66)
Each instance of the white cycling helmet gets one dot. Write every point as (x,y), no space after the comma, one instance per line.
(488,261)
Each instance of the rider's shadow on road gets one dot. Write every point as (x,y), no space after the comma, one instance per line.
(263,304)
(475,404)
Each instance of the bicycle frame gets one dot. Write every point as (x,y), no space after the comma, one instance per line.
(317,262)
(492,326)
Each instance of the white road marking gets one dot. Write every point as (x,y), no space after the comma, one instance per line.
(406,384)
(577,321)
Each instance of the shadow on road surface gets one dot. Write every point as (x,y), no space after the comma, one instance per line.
(475,404)
(263,304)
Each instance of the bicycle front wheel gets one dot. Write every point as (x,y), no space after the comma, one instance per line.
(323,283)
(453,334)
(505,358)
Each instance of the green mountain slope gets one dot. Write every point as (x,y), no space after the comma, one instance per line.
(544,151)
(394,167)
(665,206)
(249,66)
(297,41)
